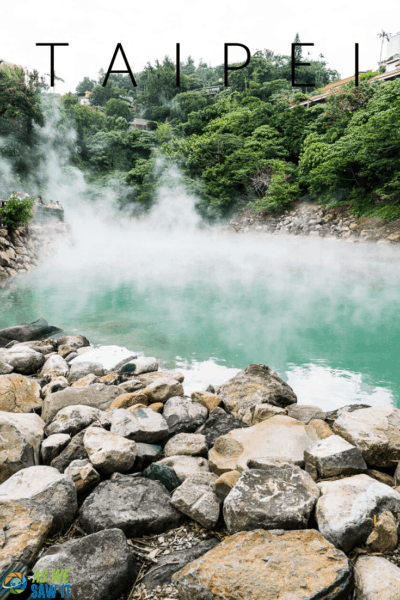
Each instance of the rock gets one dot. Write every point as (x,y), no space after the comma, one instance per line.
(330,417)
(148,378)
(55,366)
(305,413)
(318,430)
(382,477)
(345,510)
(55,385)
(37,330)
(185,466)
(195,497)
(261,412)
(210,401)
(83,474)
(376,579)
(162,389)
(158,407)
(18,394)
(101,565)
(97,395)
(269,464)
(298,565)
(219,423)
(108,452)
(257,384)
(397,475)
(143,364)
(128,400)
(384,537)
(143,425)
(146,453)
(278,437)
(110,379)
(166,475)
(190,444)
(23,359)
(87,380)
(111,358)
(183,415)
(46,488)
(45,346)
(276,499)
(5,369)
(375,431)
(73,419)
(52,446)
(225,483)
(161,574)
(136,407)
(80,370)
(77,341)
(132,385)
(137,505)
(20,438)
(74,451)
(333,456)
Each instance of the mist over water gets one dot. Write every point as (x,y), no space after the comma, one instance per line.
(323,314)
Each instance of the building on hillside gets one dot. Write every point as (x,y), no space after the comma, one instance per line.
(214,89)
(4,63)
(392,61)
(140,124)
(86,99)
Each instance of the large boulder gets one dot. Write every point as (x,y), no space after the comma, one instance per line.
(55,366)
(137,505)
(111,358)
(46,488)
(162,389)
(19,394)
(74,451)
(97,395)
(71,343)
(148,378)
(375,431)
(305,412)
(191,444)
(143,364)
(257,384)
(83,474)
(218,423)
(5,369)
(196,499)
(20,438)
(278,437)
(72,419)
(261,412)
(23,359)
(183,415)
(185,466)
(143,425)
(37,330)
(376,579)
(52,446)
(276,499)
(101,565)
(333,456)
(108,452)
(82,369)
(346,508)
(298,565)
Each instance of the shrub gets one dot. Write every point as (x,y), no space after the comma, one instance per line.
(18,211)
(281,191)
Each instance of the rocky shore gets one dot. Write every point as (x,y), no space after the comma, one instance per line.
(237,492)
(310,219)
(22,250)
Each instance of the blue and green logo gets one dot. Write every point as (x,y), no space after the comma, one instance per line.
(15,582)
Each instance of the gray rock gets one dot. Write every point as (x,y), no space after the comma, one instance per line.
(346,508)
(166,475)
(45,487)
(97,395)
(183,415)
(81,369)
(376,579)
(5,369)
(142,425)
(162,573)
(143,364)
(72,419)
(23,359)
(101,565)
(37,330)
(111,358)
(269,464)
(70,356)
(331,416)
(52,446)
(186,444)
(184,466)
(132,385)
(20,438)
(55,366)
(108,452)
(333,456)
(136,505)
(257,384)
(305,412)
(218,423)
(83,474)
(146,454)
(277,499)
(55,385)
(74,451)
(196,499)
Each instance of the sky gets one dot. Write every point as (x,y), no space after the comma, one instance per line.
(150,30)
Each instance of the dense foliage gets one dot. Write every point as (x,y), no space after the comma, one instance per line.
(18,211)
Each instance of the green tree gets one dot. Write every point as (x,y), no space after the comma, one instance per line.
(18,211)
(118,108)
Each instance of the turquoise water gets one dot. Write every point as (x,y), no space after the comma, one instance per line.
(324,315)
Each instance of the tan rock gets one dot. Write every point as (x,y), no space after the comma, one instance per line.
(318,430)
(136,407)
(18,394)
(225,483)
(382,477)
(110,379)
(257,565)
(148,378)
(384,536)
(55,385)
(394,237)
(86,380)
(210,401)
(83,474)
(261,412)
(157,406)
(128,400)
(278,437)
(162,389)
(20,438)
(376,579)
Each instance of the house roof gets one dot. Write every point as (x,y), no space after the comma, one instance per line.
(139,121)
